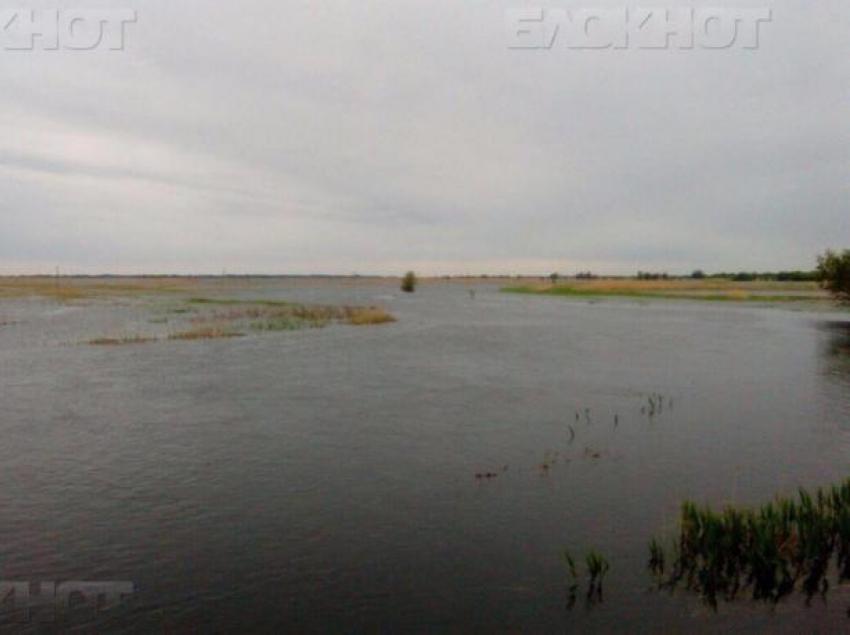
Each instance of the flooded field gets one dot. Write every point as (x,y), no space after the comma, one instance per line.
(428,471)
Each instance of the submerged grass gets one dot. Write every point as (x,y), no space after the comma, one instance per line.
(286,323)
(239,302)
(205,333)
(767,552)
(233,317)
(596,566)
(124,339)
(274,315)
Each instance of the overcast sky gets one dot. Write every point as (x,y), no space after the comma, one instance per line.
(374,137)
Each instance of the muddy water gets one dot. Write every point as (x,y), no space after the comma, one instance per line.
(326,479)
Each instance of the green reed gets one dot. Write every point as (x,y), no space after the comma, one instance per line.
(596,566)
(766,552)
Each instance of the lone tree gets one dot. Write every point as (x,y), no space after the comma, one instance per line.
(408,283)
(834,274)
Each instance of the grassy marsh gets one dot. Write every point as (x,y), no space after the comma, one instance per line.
(71,289)
(222,318)
(706,290)
(278,315)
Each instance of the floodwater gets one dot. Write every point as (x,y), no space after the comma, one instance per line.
(326,479)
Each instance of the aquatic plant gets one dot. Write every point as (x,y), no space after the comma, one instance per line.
(596,566)
(122,339)
(68,288)
(284,323)
(573,580)
(654,404)
(204,333)
(767,552)
(372,315)
(701,290)
(230,317)
(656,558)
(275,315)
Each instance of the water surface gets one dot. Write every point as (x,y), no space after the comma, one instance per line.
(326,479)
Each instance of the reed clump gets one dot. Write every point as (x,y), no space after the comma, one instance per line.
(766,552)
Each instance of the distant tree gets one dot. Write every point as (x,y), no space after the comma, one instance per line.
(698,274)
(834,274)
(648,275)
(554,277)
(745,276)
(797,276)
(408,283)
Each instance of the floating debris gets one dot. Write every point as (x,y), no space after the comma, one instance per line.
(490,475)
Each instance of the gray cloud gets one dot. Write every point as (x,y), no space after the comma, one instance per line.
(377,136)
